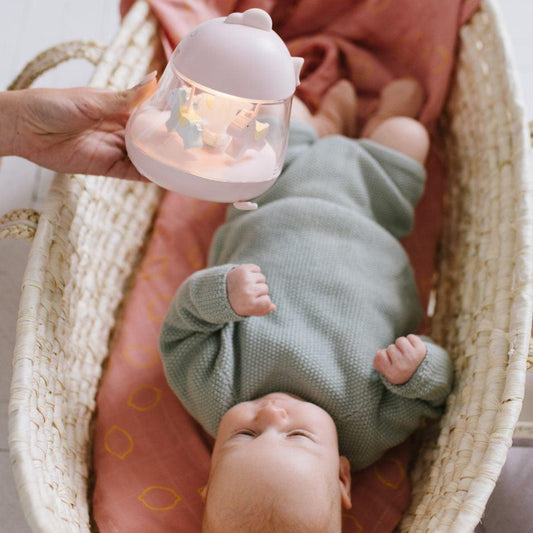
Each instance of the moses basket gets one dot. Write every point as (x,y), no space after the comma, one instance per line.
(90,235)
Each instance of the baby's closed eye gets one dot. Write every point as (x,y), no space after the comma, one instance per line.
(299,433)
(246,432)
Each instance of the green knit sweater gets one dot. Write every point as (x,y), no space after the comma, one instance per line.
(326,238)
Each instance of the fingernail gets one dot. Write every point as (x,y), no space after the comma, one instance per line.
(148,78)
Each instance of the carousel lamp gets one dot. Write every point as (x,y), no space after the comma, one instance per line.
(216,127)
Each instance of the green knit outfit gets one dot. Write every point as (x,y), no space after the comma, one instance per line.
(326,237)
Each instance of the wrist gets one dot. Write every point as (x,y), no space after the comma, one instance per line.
(11,119)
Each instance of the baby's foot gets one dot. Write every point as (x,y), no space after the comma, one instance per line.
(300,112)
(336,114)
(403,97)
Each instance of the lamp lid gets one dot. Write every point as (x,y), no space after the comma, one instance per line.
(239,55)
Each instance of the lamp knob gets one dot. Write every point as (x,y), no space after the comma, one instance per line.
(255,17)
(245,206)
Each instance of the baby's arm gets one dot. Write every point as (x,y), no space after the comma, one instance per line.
(416,368)
(212,297)
(197,337)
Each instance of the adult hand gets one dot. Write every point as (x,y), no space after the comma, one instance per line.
(78,131)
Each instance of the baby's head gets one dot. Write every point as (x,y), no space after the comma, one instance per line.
(276,467)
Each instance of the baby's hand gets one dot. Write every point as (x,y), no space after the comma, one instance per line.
(248,291)
(400,360)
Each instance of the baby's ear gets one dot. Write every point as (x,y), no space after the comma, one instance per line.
(345,481)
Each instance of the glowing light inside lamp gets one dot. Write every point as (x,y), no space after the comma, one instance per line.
(216,122)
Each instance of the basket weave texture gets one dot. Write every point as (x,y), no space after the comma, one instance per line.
(91,232)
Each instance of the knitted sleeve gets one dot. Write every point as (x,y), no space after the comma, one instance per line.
(432,380)
(201,304)
(196,344)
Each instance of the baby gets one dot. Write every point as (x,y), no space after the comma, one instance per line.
(333,368)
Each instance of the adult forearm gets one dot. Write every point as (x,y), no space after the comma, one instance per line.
(11,109)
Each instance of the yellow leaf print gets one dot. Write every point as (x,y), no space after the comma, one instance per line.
(158,307)
(159,498)
(377,6)
(443,61)
(350,519)
(154,268)
(195,257)
(141,355)
(144,397)
(118,442)
(396,478)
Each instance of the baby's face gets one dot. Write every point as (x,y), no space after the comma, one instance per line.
(276,423)
(277,445)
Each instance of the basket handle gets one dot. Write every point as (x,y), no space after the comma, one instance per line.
(19,224)
(50,58)
(22,223)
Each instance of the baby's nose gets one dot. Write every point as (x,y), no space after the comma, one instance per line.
(271,413)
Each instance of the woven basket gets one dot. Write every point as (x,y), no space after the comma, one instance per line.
(90,235)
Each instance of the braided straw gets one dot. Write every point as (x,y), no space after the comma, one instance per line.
(92,51)
(19,224)
(87,243)
(484,307)
(87,246)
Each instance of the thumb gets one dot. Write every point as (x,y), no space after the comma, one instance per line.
(123,102)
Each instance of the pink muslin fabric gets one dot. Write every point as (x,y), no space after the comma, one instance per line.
(150,457)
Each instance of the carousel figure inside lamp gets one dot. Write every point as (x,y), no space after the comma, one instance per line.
(216,128)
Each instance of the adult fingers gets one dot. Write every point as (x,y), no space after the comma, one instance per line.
(122,168)
(109,102)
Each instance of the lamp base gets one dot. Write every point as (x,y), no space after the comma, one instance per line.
(197,172)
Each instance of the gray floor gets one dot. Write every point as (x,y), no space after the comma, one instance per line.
(26,28)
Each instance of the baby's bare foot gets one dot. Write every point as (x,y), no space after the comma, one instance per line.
(403,97)
(300,112)
(337,111)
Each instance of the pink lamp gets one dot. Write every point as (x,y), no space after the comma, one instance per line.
(216,128)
